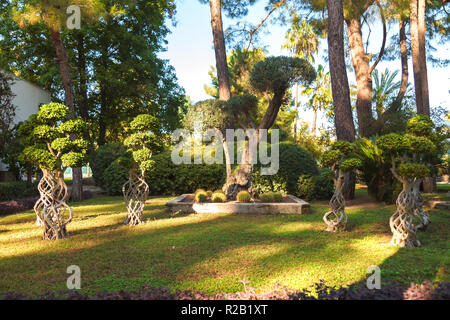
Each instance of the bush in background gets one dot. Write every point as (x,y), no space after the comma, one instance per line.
(17,190)
(318,187)
(114,177)
(167,178)
(102,158)
(294,162)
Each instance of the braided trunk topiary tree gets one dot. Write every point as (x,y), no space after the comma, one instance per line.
(53,150)
(338,160)
(408,154)
(142,143)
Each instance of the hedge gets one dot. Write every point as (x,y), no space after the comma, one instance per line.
(294,162)
(318,187)
(167,178)
(17,190)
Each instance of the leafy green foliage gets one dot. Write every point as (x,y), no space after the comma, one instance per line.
(316,187)
(376,171)
(392,143)
(167,178)
(350,164)
(330,157)
(144,141)
(413,170)
(209,112)
(51,144)
(243,196)
(17,190)
(102,158)
(276,74)
(420,125)
(415,151)
(114,178)
(294,161)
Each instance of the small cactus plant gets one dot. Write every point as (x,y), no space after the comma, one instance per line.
(277,197)
(243,196)
(267,197)
(209,193)
(218,197)
(201,196)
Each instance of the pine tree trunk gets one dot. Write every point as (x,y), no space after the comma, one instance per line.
(77,188)
(413,18)
(360,61)
(343,118)
(82,88)
(404,62)
(423,58)
(219,49)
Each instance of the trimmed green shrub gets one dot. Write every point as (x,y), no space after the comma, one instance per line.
(114,177)
(102,158)
(17,189)
(167,178)
(319,187)
(201,196)
(294,162)
(243,196)
(218,197)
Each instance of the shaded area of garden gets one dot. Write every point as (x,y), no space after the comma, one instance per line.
(212,253)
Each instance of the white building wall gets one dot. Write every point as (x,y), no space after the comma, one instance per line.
(27,101)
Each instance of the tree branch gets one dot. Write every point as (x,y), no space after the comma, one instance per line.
(383,19)
(276,6)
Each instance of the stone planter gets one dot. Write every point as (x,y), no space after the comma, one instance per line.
(293,205)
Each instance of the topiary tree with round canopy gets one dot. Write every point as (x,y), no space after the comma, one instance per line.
(338,158)
(53,148)
(407,154)
(143,142)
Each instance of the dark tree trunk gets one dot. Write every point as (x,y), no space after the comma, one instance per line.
(77,187)
(404,61)
(219,49)
(421,26)
(241,179)
(360,61)
(84,103)
(418,29)
(413,18)
(102,117)
(343,118)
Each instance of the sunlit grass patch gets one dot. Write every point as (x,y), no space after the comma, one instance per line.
(213,252)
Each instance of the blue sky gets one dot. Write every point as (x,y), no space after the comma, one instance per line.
(190,51)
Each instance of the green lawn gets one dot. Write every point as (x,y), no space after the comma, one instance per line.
(213,252)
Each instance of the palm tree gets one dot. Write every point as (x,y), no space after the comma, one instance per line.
(385,89)
(301,39)
(303,42)
(319,93)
